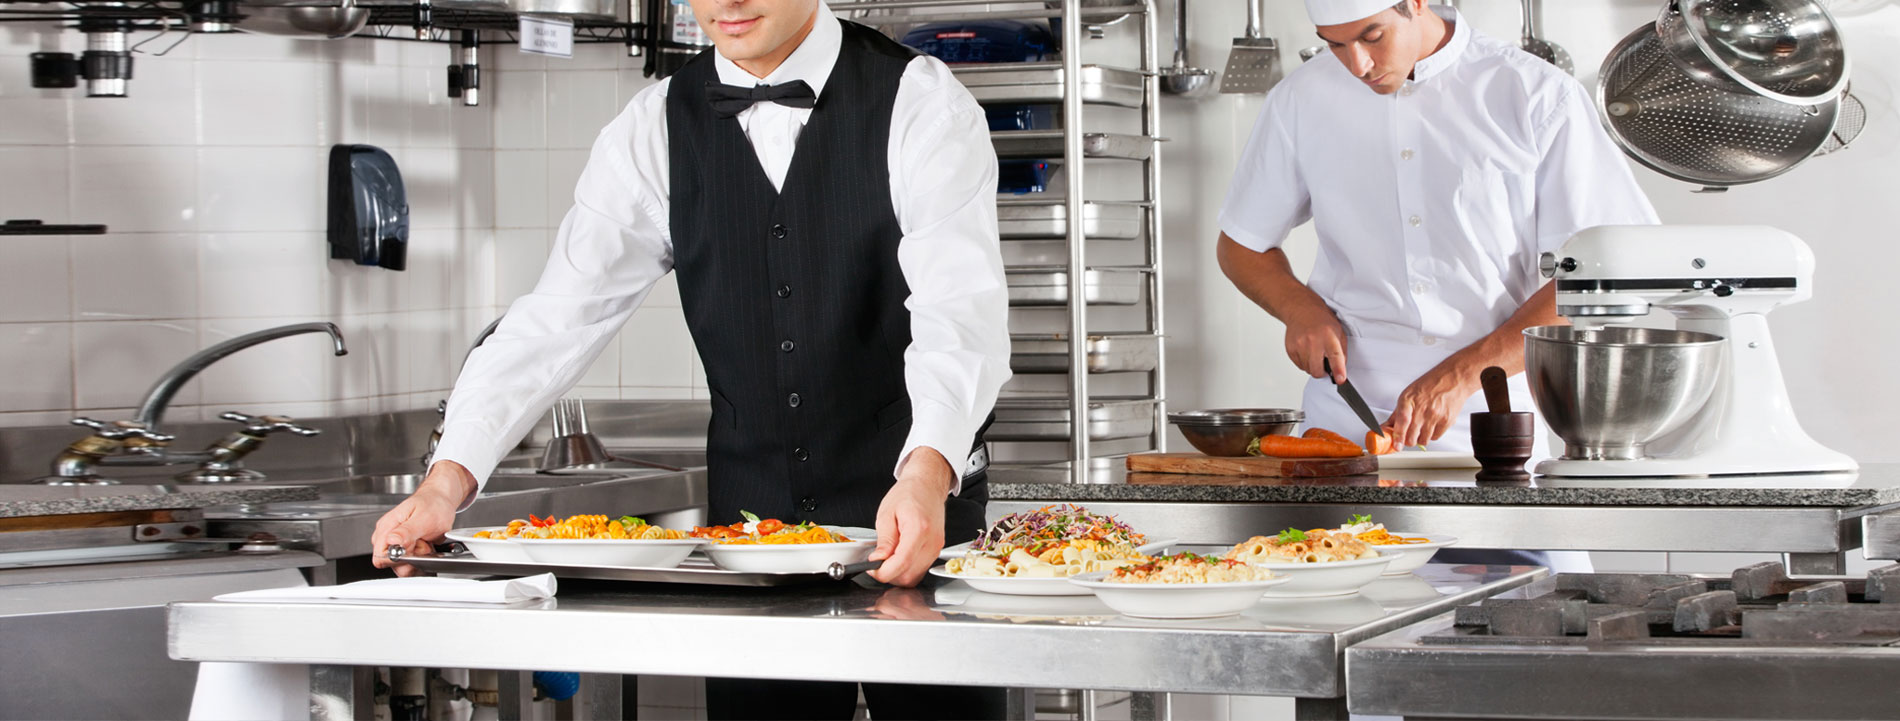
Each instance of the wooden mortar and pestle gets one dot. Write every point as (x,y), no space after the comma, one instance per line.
(1502,440)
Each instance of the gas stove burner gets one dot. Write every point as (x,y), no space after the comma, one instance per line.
(1756,605)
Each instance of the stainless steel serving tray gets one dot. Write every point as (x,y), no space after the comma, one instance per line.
(696,570)
(1049,286)
(1047,144)
(1049,419)
(1021,219)
(1108,353)
(1042,83)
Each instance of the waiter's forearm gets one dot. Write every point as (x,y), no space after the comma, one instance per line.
(1504,347)
(1267,279)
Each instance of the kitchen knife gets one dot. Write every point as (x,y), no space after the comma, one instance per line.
(1353,401)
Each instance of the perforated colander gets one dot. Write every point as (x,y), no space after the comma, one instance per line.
(1701,133)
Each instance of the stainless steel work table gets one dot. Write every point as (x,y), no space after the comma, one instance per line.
(851,631)
(1812,519)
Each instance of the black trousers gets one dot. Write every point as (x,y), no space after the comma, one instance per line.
(735,699)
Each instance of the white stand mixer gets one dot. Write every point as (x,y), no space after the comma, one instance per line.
(1720,280)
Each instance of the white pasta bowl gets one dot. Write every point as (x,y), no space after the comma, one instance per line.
(1177,600)
(1408,557)
(787,557)
(648,553)
(1329,578)
(492,550)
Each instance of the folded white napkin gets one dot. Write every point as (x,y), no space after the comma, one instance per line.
(422,588)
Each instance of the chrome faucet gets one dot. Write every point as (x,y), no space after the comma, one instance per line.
(138,442)
(442,407)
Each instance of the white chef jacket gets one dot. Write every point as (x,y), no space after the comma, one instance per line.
(616,242)
(1431,204)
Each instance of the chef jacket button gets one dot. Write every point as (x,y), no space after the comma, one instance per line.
(1420,288)
(784,291)
(778,231)
(1407,89)
(1415,221)
(1430,340)
(787,346)
(808,504)
(801,455)
(793,400)
(1406,154)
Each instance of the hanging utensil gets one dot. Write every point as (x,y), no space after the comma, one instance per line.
(1699,133)
(1853,120)
(1182,78)
(1785,50)
(1551,52)
(1253,65)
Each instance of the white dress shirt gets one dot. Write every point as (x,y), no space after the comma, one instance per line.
(616,242)
(1431,204)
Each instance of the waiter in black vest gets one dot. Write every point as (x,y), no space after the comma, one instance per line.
(827,197)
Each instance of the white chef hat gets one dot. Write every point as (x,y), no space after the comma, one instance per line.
(1340,12)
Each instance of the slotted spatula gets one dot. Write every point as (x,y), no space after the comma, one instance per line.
(1253,66)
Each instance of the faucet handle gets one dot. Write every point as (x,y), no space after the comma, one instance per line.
(265,425)
(122,430)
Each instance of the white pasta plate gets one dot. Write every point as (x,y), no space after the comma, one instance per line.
(1178,600)
(1016,586)
(1409,556)
(786,557)
(638,553)
(1150,548)
(1328,578)
(492,550)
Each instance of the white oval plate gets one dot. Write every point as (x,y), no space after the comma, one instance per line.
(653,553)
(1012,586)
(786,557)
(492,550)
(1333,578)
(1407,557)
(1177,600)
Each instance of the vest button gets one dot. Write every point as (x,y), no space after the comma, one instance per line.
(784,291)
(801,455)
(808,504)
(787,346)
(793,400)
(778,231)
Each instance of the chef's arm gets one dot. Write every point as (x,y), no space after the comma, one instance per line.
(1504,347)
(1313,332)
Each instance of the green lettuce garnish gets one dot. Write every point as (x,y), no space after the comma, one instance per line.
(1292,535)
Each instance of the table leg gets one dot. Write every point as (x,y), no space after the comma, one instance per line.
(342,693)
(1020,704)
(1146,706)
(517,695)
(1320,709)
(599,698)
(1814,564)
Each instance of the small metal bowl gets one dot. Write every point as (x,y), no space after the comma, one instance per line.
(1228,431)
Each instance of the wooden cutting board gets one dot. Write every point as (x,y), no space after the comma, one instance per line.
(1205,465)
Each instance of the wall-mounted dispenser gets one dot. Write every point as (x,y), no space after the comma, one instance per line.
(369,210)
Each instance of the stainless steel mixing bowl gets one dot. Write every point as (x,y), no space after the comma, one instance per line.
(1228,431)
(1608,392)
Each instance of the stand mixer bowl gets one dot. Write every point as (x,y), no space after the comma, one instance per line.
(1610,391)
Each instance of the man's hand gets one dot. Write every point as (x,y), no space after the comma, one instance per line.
(1314,335)
(1428,407)
(423,517)
(910,519)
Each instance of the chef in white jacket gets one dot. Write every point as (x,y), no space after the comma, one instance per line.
(1436,163)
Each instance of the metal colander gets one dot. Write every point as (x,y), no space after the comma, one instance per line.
(1786,50)
(1853,120)
(1700,133)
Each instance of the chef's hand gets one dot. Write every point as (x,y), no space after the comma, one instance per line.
(1314,335)
(910,520)
(1429,407)
(422,517)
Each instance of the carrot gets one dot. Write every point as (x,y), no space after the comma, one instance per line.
(1291,447)
(1326,434)
(1379,445)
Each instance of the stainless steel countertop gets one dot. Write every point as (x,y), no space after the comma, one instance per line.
(940,633)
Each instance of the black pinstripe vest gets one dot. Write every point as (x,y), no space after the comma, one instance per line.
(795,298)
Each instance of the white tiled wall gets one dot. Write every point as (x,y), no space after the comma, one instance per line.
(547,114)
(211,180)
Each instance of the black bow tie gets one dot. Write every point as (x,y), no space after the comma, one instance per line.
(730,100)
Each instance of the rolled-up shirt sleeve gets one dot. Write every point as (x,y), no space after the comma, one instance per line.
(611,248)
(943,186)
(1267,198)
(1583,180)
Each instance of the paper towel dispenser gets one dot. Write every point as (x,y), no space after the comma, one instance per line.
(369,211)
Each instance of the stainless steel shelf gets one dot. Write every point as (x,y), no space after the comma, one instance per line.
(1047,145)
(898,12)
(1048,286)
(1049,220)
(1043,83)
(1108,353)
(1020,419)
